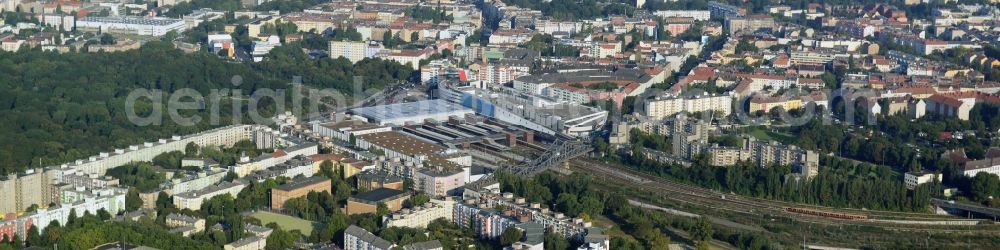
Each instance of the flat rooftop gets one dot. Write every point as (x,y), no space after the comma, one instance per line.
(300,183)
(403,143)
(367,237)
(436,107)
(378,195)
(157,21)
(208,190)
(351,125)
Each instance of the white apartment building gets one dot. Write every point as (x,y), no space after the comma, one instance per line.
(667,106)
(421,216)
(603,50)
(343,130)
(193,200)
(913,179)
(493,74)
(810,57)
(440,183)
(567,94)
(77,201)
(223,137)
(697,15)
(66,22)
(247,166)
(354,51)
(548,26)
(532,88)
(510,36)
(220,41)
(11,44)
(299,165)
(261,48)
(199,180)
(406,57)
(759,82)
(433,71)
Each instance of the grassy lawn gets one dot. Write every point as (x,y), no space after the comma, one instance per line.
(286,222)
(763,133)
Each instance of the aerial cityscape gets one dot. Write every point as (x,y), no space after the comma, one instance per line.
(499,124)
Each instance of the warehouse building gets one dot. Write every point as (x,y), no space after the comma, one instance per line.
(143,26)
(411,112)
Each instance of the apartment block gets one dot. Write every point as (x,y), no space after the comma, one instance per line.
(749,24)
(223,137)
(440,182)
(668,105)
(356,238)
(354,51)
(697,15)
(298,188)
(724,11)
(914,179)
(193,199)
(79,201)
(20,191)
(421,216)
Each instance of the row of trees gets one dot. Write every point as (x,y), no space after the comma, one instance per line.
(63,107)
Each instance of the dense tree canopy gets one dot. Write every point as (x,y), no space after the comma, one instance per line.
(141,176)
(63,107)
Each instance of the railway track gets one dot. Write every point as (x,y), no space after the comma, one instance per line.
(701,197)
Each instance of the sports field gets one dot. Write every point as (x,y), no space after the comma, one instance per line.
(288,223)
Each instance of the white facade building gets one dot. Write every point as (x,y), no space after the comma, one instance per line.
(143,26)
(697,15)
(667,106)
(261,48)
(354,51)
(421,216)
(193,200)
(913,179)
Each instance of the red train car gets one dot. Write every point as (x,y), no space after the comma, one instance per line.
(842,216)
